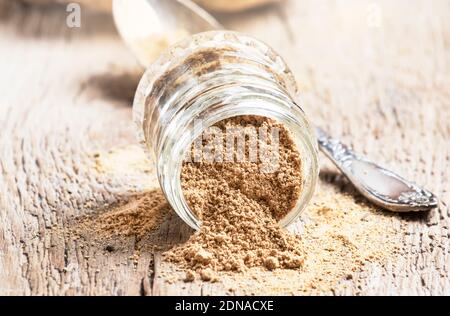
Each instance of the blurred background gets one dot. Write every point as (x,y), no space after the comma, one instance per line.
(375,73)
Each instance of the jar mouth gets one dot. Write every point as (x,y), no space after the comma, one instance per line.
(215,76)
(302,136)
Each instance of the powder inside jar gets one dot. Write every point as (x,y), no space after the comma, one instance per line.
(240,193)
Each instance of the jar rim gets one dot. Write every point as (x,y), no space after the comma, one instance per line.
(177,147)
(306,146)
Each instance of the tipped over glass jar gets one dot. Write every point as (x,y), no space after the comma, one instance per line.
(211,77)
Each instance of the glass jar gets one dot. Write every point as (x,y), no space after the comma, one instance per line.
(210,77)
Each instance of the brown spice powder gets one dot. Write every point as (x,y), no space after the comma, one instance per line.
(137,219)
(343,236)
(277,190)
(240,207)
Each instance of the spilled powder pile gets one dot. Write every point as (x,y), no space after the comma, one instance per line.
(240,206)
(136,218)
(343,237)
(123,161)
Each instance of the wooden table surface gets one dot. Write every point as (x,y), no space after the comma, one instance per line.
(376,73)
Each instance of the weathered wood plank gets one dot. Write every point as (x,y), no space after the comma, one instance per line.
(66,95)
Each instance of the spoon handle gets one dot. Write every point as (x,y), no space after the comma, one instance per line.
(379,185)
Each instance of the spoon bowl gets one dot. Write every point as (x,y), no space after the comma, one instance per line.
(150,26)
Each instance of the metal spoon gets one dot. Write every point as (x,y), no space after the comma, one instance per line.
(379,185)
(157,18)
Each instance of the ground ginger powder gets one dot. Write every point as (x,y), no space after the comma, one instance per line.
(342,236)
(240,207)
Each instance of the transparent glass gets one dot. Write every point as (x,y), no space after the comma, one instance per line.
(210,77)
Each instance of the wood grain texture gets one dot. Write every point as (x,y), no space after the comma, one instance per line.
(375,73)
